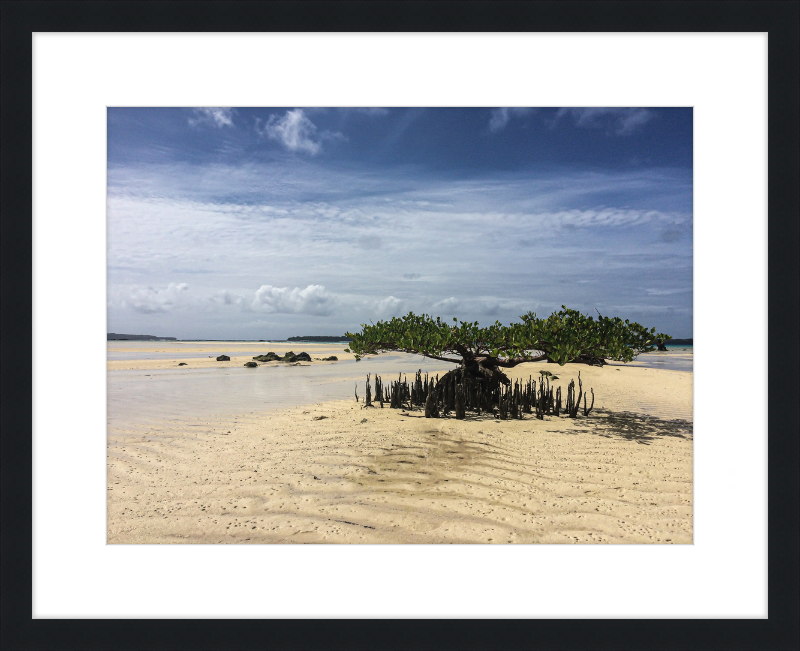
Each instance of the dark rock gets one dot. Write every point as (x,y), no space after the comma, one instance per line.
(660,345)
(250,364)
(223,358)
(182,364)
(299,357)
(332,358)
(269,357)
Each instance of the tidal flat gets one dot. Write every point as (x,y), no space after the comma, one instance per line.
(213,452)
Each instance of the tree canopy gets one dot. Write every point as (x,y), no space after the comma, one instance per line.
(565,336)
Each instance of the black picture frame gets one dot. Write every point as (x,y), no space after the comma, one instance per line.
(780,19)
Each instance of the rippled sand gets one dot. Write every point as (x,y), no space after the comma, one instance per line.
(341,473)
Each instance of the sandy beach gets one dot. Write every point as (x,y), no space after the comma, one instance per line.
(339,472)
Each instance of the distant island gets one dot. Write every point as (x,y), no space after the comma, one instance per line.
(324,338)
(113,336)
(680,342)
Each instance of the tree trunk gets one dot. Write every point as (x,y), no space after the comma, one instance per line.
(489,378)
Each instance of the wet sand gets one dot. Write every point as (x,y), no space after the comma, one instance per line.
(337,472)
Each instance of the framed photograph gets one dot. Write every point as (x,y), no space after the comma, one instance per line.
(240,229)
(234,195)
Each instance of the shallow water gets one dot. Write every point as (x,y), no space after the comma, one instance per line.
(114,355)
(174,394)
(678,359)
(139,396)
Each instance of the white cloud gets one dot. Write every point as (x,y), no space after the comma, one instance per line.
(296,132)
(225,229)
(390,306)
(314,300)
(148,300)
(216,116)
(449,305)
(621,121)
(501,117)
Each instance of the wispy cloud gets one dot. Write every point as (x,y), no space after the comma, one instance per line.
(296,132)
(214,116)
(374,111)
(489,247)
(619,121)
(501,116)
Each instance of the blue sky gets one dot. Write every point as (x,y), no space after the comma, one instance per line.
(264,223)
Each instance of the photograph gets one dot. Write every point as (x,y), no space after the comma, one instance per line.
(400,325)
(405,275)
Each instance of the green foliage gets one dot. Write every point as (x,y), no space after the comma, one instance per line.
(568,335)
(564,336)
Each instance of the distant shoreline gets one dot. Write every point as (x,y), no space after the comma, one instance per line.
(322,339)
(113,336)
(319,340)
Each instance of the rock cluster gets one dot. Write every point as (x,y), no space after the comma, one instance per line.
(223,358)
(288,357)
(269,357)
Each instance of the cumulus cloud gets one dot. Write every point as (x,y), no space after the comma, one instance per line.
(214,116)
(620,121)
(148,300)
(501,117)
(448,305)
(296,132)
(390,306)
(314,300)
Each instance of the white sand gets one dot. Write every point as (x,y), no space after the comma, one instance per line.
(622,475)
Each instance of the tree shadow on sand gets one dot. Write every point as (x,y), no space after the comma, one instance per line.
(640,427)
